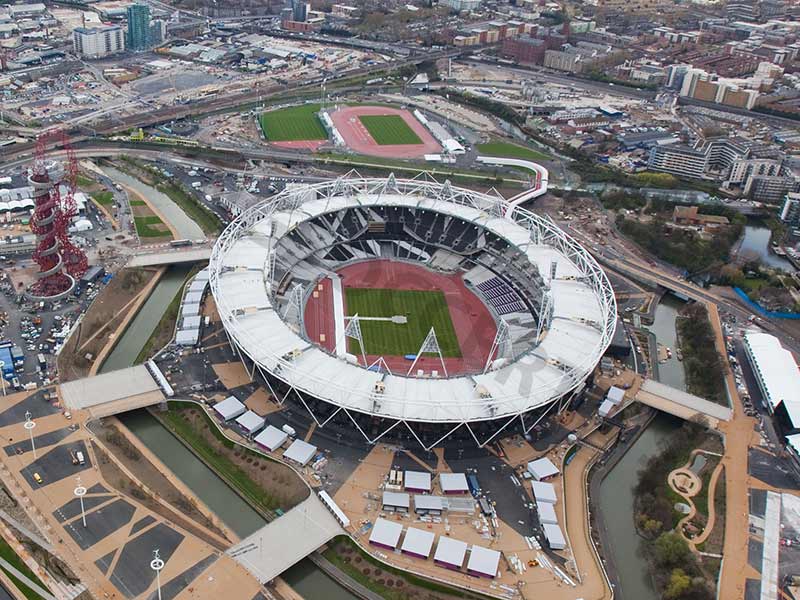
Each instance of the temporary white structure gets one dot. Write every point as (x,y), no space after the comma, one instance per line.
(417,481)
(230,408)
(450,553)
(453,483)
(615,394)
(396,500)
(271,438)
(554,536)
(300,452)
(250,422)
(418,542)
(544,492)
(483,562)
(386,534)
(547,513)
(542,468)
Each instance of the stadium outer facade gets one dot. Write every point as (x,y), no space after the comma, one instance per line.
(266,264)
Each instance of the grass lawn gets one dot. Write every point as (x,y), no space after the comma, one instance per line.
(207,220)
(295,123)
(509,150)
(7,552)
(138,203)
(145,229)
(104,198)
(389,130)
(424,309)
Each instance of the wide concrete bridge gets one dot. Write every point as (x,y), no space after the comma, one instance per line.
(170,256)
(682,404)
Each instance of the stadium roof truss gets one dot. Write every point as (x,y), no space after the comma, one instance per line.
(579,313)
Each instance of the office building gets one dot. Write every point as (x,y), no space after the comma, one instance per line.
(462,5)
(138,38)
(790,211)
(97,42)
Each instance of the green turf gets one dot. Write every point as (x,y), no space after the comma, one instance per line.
(144,229)
(389,130)
(424,309)
(104,198)
(295,123)
(509,150)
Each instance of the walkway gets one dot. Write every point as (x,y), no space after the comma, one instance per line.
(338,315)
(681,404)
(287,540)
(772,538)
(166,254)
(113,392)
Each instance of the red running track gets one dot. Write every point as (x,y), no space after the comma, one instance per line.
(358,138)
(474,325)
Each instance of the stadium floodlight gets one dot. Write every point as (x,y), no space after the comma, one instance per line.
(294,308)
(353,330)
(379,364)
(430,344)
(501,343)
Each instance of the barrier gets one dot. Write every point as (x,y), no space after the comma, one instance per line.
(761,310)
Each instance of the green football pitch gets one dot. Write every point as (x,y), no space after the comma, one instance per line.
(389,130)
(423,309)
(292,124)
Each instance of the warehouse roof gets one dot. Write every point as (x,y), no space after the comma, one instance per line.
(777,371)
(418,480)
(418,541)
(453,482)
(386,533)
(615,394)
(422,502)
(250,421)
(271,438)
(450,551)
(300,452)
(554,536)
(547,513)
(542,468)
(482,560)
(398,499)
(230,408)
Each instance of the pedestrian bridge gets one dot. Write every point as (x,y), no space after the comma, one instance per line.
(682,404)
(287,540)
(116,391)
(170,256)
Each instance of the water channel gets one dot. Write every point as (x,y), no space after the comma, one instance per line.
(756,241)
(304,577)
(185,227)
(617,490)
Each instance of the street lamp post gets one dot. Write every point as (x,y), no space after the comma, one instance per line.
(157,564)
(29,425)
(80,492)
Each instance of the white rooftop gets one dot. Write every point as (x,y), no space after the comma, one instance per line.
(417,480)
(450,551)
(581,299)
(271,438)
(777,371)
(615,394)
(300,452)
(482,560)
(453,482)
(544,492)
(250,421)
(398,499)
(230,408)
(542,468)
(418,541)
(554,536)
(428,502)
(386,533)
(547,513)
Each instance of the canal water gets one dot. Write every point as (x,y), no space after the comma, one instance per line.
(304,577)
(617,490)
(185,227)
(756,241)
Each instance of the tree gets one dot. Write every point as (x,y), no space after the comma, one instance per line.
(679,584)
(671,550)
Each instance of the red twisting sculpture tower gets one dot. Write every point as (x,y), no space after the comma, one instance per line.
(60,261)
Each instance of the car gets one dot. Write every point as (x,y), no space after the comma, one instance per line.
(38,478)
(68,415)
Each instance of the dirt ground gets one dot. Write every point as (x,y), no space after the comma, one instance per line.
(101,320)
(232,375)
(278,480)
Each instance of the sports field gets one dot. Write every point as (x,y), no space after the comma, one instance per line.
(295,123)
(508,150)
(423,309)
(389,130)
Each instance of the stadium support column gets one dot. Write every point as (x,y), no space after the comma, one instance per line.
(431,344)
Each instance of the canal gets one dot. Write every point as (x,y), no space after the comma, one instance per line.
(306,579)
(617,490)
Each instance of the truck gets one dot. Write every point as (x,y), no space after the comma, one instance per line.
(473,485)
(289,430)
(42,361)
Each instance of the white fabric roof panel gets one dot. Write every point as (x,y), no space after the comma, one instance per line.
(541,468)
(230,408)
(193,298)
(453,482)
(534,380)
(547,513)
(483,560)
(300,452)
(418,541)
(450,551)
(397,499)
(190,310)
(386,533)
(271,438)
(544,492)
(427,502)
(417,480)
(554,536)
(777,371)
(250,421)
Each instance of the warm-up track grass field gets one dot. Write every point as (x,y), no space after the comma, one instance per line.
(389,130)
(295,123)
(423,309)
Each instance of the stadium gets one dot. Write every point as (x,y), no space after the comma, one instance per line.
(411,308)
